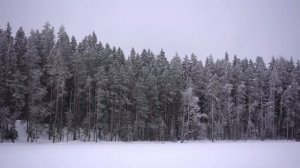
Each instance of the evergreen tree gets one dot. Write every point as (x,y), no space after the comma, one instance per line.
(35,91)
(191,115)
(93,92)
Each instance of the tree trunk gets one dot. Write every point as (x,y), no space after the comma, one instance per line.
(14,129)
(50,119)
(249,119)
(96,118)
(262,116)
(212,120)
(75,116)
(89,114)
(287,129)
(61,118)
(56,113)
(183,124)
(2,136)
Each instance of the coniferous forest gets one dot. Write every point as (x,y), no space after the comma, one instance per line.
(93,92)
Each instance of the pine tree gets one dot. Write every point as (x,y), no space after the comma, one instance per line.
(95,92)
(213,89)
(252,101)
(289,104)
(47,44)
(10,86)
(191,115)
(240,110)
(161,69)
(141,110)
(102,105)
(59,72)
(35,91)
(261,78)
(274,91)
(176,85)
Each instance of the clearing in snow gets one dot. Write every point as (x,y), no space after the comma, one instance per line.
(250,154)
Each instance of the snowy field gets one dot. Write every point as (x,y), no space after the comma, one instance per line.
(251,154)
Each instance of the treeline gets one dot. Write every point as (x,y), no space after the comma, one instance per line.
(90,91)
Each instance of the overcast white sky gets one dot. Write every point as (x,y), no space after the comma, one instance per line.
(247,28)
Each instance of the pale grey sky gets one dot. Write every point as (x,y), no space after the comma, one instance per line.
(247,28)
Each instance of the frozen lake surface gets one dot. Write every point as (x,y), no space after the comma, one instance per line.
(250,154)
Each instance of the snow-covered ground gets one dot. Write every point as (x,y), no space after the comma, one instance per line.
(250,154)
(202,154)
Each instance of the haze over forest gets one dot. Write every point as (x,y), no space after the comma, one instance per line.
(245,28)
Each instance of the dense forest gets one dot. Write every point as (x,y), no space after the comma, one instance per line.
(93,92)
